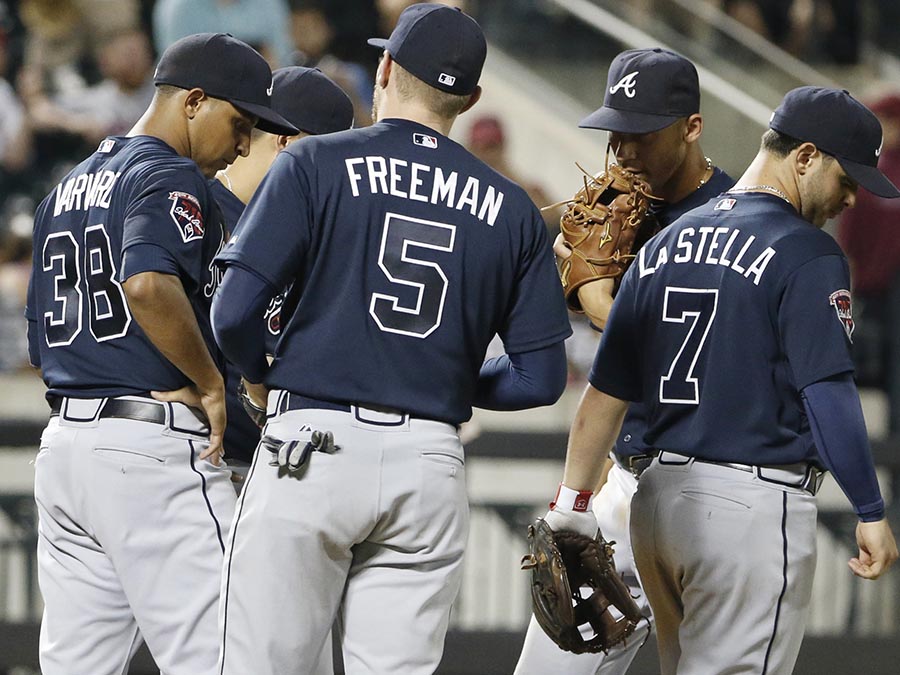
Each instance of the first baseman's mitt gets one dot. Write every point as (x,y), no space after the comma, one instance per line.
(257,414)
(561,564)
(600,225)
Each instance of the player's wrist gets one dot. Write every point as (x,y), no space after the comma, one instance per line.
(568,499)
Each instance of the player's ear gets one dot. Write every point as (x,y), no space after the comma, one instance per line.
(383,74)
(804,156)
(693,127)
(192,101)
(473,99)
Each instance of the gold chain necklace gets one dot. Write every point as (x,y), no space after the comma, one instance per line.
(766,188)
(707,174)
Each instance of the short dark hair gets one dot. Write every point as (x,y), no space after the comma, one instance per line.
(167,90)
(779,144)
(442,103)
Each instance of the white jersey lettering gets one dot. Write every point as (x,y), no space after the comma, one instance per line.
(424,183)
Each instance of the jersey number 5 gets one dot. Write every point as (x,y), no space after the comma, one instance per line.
(695,307)
(418,312)
(108,313)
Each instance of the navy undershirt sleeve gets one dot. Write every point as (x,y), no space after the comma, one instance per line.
(523,380)
(839,430)
(34,348)
(237,320)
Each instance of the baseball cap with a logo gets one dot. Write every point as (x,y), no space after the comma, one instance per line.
(440,45)
(224,68)
(839,125)
(310,101)
(646,90)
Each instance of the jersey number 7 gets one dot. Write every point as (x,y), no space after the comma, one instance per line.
(696,309)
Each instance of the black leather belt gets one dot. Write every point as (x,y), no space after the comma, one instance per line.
(635,464)
(141,411)
(291,401)
(809,477)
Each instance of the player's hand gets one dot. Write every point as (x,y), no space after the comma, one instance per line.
(560,249)
(582,522)
(212,402)
(258,393)
(877,549)
(596,297)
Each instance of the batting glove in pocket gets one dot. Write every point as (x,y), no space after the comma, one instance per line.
(294,453)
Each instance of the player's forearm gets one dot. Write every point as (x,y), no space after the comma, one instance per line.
(520,381)
(236,317)
(161,308)
(597,421)
(596,301)
(839,430)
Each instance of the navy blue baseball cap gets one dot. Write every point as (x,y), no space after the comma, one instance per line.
(839,125)
(440,45)
(224,68)
(646,90)
(311,101)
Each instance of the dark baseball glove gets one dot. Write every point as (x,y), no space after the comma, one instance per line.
(600,225)
(562,563)
(257,414)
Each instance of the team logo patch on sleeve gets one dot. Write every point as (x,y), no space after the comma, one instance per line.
(840,300)
(187,215)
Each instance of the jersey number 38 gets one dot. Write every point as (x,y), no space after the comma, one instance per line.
(75,278)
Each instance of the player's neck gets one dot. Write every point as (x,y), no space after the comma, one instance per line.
(693,174)
(767,175)
(412,111)
(241,178)
(159,123)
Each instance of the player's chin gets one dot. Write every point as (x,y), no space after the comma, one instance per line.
(210,170)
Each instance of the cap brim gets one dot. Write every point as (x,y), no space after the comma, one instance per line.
(871,178)
(378,42)
(626,121)
(269,120)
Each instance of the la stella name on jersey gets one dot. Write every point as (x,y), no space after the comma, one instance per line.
(713,246)
(423,183)
(84,191)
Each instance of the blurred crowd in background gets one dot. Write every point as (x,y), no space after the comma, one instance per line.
(75,71)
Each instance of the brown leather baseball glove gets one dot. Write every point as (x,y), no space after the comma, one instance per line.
(562,563)
(600,225)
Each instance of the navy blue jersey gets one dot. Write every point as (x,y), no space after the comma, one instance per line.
(280,305)
(723,319)
(133,206)
(631,437)
(407,256)
(241,433)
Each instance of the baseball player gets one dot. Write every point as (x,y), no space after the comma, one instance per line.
(733,327)
(134,507)
(314,104)
(411,255)
(663,149)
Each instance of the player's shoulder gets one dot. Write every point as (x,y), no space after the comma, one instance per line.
(149,163)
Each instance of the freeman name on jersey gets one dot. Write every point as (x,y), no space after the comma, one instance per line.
(84,191)
(713,246)
(423,183)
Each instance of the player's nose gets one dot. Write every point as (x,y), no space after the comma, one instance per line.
(849,199)
(243,145)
